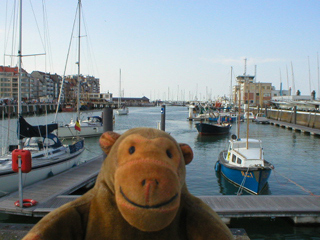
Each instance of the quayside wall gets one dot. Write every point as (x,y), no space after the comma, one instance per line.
(307,119)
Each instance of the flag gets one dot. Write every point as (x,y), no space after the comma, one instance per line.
(77,126)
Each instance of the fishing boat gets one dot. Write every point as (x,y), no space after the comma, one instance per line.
(121,110)
(244,165)
(243,162)
(213,129)
(248,116)
(224,117)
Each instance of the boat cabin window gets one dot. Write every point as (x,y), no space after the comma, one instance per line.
(234,157)
(48,142)
(244,145)
(29,142)
(239,161)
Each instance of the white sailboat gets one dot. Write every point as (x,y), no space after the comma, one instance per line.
(92,126)
(49,155)
(121,110)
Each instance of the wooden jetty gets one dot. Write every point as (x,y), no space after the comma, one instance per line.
(53,192)
(295,127)
(302,209)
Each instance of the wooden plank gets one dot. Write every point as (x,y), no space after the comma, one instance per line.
(265,205)
(47,189)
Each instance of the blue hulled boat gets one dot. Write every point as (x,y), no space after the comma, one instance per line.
(243,164)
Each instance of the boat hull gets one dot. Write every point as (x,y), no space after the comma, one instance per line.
(252,181)
(122,111)
(212,129)
(86,131)
(42,168)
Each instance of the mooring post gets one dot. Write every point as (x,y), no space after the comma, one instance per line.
(295,114)
(265,111)
(163,118)
(107,119)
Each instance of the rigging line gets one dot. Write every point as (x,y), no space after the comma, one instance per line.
(65,68)
(304,189)
(5,34)
(91,56)
(242,183)
(13,41)
(47,35)
(34,15)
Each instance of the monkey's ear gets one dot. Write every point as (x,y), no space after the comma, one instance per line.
(107,140)
(187,152)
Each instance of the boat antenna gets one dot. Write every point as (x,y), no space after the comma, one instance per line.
(245,67)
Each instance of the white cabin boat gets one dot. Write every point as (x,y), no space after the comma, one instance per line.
(49,156)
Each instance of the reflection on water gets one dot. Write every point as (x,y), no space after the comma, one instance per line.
(212,138)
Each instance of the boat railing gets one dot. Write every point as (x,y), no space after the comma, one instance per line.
(224,154)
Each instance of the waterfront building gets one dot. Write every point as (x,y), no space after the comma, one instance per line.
(45,87)
(251,92)
(144,101)
(9,83)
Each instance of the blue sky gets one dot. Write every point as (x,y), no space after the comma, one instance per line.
(184,47)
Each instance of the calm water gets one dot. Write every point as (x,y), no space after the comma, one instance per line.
(295,156)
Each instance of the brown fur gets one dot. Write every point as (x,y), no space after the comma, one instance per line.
(140,193)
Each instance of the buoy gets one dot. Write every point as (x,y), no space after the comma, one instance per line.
(26,203)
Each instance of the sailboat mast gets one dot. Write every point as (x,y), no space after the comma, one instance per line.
(231,87)
(79,84)
(309,75)
(20,70)
(239,112)
(119,99)
(318,76)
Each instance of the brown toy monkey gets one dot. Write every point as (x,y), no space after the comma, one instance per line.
(140,193)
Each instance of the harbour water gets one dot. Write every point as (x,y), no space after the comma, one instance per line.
(295,156)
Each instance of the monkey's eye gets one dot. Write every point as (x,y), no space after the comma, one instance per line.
(169,154)
(132,150)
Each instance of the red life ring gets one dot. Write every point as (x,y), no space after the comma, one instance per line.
(26,203)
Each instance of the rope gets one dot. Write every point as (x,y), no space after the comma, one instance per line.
(242,183)
(302,188)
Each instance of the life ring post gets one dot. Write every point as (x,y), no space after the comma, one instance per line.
(21,163)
